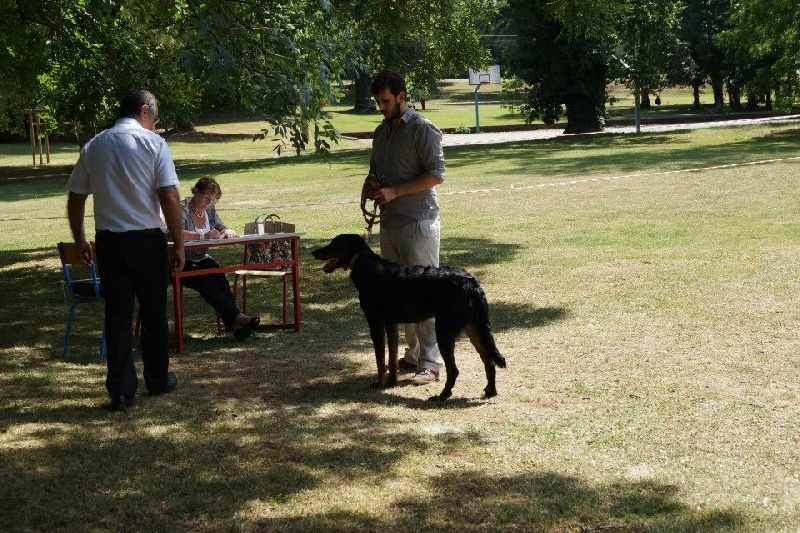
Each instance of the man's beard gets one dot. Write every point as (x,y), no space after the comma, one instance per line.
(395,113)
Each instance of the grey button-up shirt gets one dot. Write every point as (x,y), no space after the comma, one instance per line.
(398,157)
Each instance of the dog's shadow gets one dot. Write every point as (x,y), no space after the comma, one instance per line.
(507,316)
(357,388)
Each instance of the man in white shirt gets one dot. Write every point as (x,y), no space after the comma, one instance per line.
(129,170)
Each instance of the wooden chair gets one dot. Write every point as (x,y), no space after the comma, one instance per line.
(284,276)
(82,285)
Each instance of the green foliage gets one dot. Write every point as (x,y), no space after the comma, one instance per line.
(76,59)
(562,69)
(649,49)
(702,22)
(286,59)
(766,35)
(513,94)
(588,18)
(423,40)
(294,132)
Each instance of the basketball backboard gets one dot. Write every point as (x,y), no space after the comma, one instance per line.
(480,77)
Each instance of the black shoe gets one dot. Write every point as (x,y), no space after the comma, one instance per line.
(242,333)
(172,382)
(255,321)
(122,403)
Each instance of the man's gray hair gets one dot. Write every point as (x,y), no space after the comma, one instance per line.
(133,101)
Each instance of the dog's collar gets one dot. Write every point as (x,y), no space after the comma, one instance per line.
(353,260)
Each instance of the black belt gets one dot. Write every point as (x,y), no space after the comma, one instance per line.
(151,231)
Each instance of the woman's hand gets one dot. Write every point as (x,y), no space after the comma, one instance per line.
(212,234)
(229,234)
(191,235)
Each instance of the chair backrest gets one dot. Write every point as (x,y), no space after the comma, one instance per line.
(81,281)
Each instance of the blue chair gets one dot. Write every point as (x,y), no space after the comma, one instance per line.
(83,290)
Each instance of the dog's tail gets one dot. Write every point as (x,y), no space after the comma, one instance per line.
(483,328)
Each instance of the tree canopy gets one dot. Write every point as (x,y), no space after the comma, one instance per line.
(287,59)
(283,59)
(749,46)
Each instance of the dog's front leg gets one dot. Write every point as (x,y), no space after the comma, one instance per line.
(379,344)
(392,337)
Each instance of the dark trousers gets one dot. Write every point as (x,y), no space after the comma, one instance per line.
(134,265)
(214,288)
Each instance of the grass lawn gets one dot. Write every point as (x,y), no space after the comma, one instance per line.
(647,313)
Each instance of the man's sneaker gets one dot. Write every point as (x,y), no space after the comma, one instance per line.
(405,366)
(425,376)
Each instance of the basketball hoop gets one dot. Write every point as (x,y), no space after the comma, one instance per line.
(482,77)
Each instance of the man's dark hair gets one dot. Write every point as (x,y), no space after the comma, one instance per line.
(388,78)
(133,101)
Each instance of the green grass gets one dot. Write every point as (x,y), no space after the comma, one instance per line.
(649,320)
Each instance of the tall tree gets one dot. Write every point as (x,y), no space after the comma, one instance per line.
(76,57)
(765,34)
(565,66)
(283,59)
(650,47)
(422,39)
(702,22)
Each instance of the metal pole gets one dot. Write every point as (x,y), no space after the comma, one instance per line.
(477,116)
(639,80)
(33,136)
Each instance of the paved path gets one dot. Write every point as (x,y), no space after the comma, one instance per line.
(452,139)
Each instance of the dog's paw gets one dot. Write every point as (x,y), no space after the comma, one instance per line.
(440,397)
(489,392)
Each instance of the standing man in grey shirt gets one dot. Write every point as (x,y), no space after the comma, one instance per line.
(407,162)
(130,172)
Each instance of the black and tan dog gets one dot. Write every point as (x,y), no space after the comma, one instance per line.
(391,294)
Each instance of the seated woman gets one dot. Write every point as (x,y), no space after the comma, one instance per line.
(200,221)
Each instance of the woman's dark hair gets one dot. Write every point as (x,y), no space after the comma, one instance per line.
(133,101)
(388,78)
(207,184)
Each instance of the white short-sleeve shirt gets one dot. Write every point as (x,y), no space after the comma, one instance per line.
(123,167)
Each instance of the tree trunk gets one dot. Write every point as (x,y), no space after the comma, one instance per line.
(719,92)
(363,97)
(696,93)
(735,97)
(582,115)
(752,100)
(645,102)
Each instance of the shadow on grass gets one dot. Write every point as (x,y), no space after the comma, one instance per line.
(35,308)
(628,153)
(599,154)
(257,430)
(252,433)
(169,468)
(546,501)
